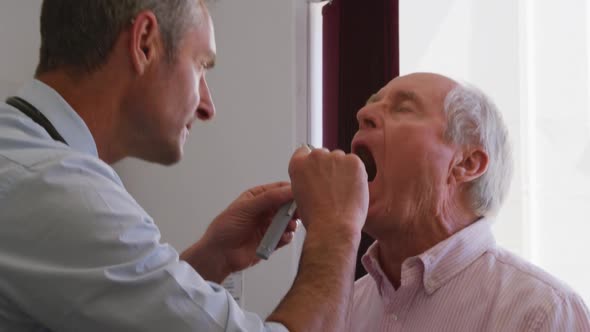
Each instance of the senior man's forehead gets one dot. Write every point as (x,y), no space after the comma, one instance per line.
(420,88)
(396,96)
(423,84)
(424,80)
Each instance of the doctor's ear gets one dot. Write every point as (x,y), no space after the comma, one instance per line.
(470,165)
(145,40)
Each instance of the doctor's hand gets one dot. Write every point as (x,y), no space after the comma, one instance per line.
(331,191)
(332,195)
(230,242)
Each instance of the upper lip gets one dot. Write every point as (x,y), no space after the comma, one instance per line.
(191,121)
(189,125)
(357,143)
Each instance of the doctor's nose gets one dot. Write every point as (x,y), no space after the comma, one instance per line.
(206,108)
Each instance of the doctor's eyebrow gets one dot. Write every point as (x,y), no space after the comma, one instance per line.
(209,62)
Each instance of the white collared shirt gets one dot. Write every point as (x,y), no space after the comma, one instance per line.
(77,253)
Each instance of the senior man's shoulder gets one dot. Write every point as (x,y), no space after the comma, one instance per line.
(520,288)
(515,274)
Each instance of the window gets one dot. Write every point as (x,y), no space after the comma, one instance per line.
(532,58)
(315,72)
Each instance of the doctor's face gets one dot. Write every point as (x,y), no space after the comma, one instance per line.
(178,94)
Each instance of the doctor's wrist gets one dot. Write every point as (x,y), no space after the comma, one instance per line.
(209,262)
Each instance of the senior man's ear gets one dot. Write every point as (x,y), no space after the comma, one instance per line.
(469,166)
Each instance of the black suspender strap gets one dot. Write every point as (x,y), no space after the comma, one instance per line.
(35,115)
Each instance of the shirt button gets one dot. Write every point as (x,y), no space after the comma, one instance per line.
(394,316)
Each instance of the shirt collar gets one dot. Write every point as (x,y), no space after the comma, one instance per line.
(61,115)
(370,261)
(441,262)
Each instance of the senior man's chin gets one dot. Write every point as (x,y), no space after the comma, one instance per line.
(380,217)
(372,228)
(373,219)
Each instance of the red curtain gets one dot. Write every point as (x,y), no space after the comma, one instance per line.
(361,54)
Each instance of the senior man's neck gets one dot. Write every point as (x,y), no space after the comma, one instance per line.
(395,248)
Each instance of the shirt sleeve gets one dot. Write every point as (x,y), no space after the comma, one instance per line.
(77,253)
(570,314)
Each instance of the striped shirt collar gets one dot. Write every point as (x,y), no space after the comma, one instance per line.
(440,263)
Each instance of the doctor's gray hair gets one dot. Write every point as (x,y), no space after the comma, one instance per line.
(80,34)
(473,119)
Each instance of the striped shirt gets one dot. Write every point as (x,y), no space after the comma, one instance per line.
(465,283)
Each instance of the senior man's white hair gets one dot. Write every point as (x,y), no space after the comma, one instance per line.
(473,119)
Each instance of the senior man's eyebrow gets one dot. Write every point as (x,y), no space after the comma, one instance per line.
(405,95)
(373,99)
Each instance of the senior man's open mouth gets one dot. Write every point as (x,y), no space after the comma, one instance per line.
(367,158)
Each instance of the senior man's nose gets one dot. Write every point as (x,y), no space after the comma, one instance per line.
(367,117)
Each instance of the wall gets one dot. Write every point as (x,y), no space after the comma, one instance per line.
(559,59)
(19,33)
